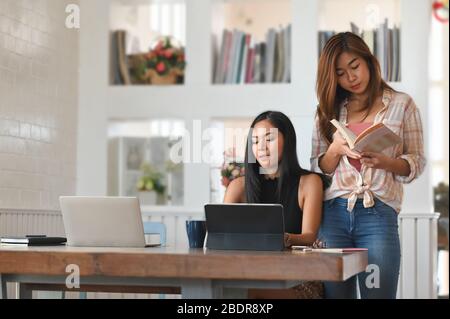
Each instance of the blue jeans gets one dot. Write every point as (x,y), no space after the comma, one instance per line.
(374,228)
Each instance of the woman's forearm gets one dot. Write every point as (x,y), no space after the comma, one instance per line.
(398,166)
(306,239)
(329,161)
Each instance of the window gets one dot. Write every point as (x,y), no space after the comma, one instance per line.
(229,135)
(145,21)
(438,102)
(132,143)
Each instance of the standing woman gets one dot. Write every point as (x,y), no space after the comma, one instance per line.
(366,193)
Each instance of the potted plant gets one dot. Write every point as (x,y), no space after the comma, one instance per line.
(231,168)
(164,64)
(441,193)
(150,185)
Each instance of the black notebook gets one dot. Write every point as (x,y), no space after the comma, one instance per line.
(33,240)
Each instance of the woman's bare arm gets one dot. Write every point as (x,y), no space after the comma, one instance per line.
(310,200)
(235,192)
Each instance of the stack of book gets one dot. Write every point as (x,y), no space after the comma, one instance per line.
(241,60)
(384,43)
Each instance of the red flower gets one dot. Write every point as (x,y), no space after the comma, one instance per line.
(160,67)
(159,46)
(225,181)
(168,53)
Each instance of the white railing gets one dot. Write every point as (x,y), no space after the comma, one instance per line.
(21,222)
(418,273)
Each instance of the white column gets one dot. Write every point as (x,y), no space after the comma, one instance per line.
(418,223)
(92,123)
(196,172)
(415,27)
(446,101)
(198,40)
(304,54)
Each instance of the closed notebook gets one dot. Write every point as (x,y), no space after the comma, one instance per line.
(338,250)
(376,138)
(33,241)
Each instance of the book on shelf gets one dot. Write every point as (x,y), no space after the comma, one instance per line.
(33,240)
(120,73)
(260,71)
(241,59)
(123,63)
(287,55)
(114,61)
(270,55)
(324,36)
(220,58)
(354,28)
(279,57)
(376,138)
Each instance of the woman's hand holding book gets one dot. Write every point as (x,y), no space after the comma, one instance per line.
(376,160)
(340,147)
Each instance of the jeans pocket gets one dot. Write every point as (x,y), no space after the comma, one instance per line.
(382,210)
(328,205)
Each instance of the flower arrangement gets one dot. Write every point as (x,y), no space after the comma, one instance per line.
(151,180)
(163,64)
(231,169)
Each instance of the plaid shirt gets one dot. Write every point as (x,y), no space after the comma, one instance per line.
(401,115)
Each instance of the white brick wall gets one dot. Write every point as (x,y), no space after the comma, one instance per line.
(38,103)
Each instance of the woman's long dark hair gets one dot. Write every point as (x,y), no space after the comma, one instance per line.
(289,168)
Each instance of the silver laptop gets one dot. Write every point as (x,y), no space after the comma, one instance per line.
(102,221)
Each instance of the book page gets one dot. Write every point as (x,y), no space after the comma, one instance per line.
(368,131)
(346,133)
(377,140)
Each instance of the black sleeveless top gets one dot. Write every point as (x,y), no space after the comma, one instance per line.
(293,215)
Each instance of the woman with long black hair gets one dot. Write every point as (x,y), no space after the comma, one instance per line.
(273,175)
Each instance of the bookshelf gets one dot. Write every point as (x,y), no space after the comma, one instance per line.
(200,99)
(377,22)
(251,41)
(135,28)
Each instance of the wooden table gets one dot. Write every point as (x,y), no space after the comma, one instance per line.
(200,273)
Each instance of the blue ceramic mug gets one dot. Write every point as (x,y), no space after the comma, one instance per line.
(196,232)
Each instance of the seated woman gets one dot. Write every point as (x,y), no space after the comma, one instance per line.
(273,175)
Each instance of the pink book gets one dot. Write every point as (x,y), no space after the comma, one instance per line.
(250,63)
(327,250)
(338,250)
(227,57)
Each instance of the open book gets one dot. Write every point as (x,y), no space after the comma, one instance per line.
(374,139)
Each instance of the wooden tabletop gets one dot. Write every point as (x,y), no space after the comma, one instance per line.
(172,262)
